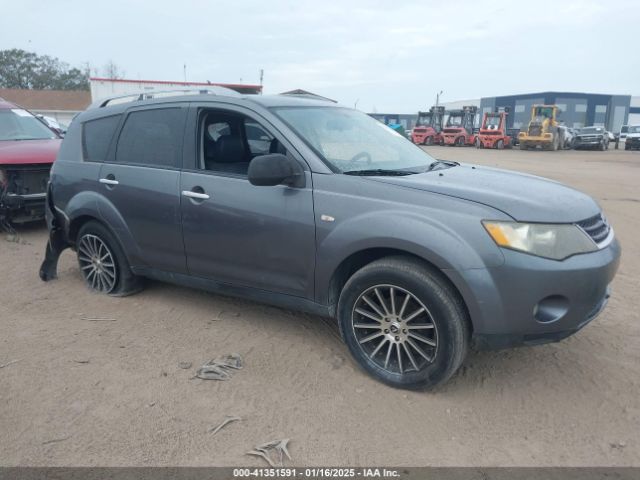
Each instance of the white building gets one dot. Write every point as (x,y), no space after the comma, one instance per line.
(107,87)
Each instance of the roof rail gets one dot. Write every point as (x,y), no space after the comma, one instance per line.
(150,94)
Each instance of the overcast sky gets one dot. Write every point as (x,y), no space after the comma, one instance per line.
(391,56)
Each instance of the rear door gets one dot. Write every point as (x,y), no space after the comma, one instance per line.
(142,178)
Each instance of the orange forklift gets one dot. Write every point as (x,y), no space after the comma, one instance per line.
(493,131)
(459,129)
(428,128)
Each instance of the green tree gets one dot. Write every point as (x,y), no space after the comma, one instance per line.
(27,70)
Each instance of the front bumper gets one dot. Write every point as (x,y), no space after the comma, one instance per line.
(588,143)
(632,143)
(530,300)
(23,208)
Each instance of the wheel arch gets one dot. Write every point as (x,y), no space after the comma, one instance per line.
(88,206)
(355,261)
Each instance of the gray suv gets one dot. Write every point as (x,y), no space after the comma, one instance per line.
(315,207)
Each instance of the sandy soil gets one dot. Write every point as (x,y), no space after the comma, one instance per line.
(110,392)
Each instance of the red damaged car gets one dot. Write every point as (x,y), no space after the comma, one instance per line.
(28,148)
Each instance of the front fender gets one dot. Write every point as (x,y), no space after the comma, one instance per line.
(440,244)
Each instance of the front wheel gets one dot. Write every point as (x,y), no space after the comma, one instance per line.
(428,140)
(102,262)
(403,323)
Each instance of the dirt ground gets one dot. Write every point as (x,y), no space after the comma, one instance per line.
(96,379)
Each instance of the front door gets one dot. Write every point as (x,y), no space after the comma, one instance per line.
(238,233)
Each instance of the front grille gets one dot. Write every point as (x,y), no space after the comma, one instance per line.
(535,130)
(451,130)
(491,132)
(596,227)
(27,180)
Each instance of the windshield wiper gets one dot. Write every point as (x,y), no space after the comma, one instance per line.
(381,172)
(440,164)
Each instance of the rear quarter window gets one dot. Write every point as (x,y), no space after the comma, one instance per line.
(96,137)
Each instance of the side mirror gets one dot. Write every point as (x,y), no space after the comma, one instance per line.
(275,169)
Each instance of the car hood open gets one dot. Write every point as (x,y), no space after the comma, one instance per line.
(25,152)
(523,197)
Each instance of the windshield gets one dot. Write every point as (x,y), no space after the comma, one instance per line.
(544,112)
(424,120)
(592,130)
(349,140)
(493,121)
(454,121)
(634,129)
(18,124)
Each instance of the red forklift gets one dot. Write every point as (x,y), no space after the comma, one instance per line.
(459,129)
(428,129)
(493,131)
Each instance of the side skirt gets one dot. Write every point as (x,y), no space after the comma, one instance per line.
(262,296)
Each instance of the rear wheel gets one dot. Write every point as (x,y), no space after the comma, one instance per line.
(102,262)
(403,323)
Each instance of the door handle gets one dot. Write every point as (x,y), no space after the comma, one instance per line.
(197,195)
(109,181)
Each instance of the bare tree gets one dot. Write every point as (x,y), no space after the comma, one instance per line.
(112,71)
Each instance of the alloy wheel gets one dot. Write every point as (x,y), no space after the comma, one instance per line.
(394,329)
(97,263)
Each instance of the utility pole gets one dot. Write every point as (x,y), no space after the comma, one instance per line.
(184,71)
(438,98)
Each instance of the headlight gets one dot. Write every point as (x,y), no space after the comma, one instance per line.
(553,241)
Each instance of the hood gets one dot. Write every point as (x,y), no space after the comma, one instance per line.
(523,197)
(24,152)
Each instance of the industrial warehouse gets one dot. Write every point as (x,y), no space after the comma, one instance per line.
(575,110)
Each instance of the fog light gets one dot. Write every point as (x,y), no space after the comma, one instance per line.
(551,309)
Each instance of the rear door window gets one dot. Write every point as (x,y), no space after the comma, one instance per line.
(96,137)
(152,138)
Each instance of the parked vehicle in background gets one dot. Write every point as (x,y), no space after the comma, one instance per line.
(343,218)
(568,136)
(623,132)
(459,129)
(592,138)
(542,130)
(428,128)
(28,148)
(493,131)
(633,138)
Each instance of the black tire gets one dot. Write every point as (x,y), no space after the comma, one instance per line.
(126,283)
(429,140)
(443,308)
(460,142)
(500,145)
